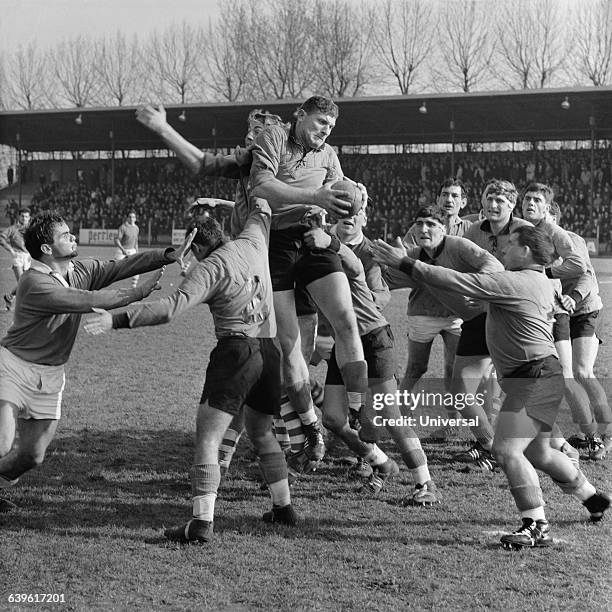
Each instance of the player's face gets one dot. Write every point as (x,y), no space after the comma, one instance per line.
(450,200)
(64,244)
(497,207)
(314,128)
(349,228)
(429,232)
(515,254)
(534,206)
(255,128)
(132,218)
(24,219)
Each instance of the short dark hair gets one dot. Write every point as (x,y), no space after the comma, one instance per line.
(24,209)
(320,104)
(210,233)
(542,188)
(40,231)
(538,241)
(454,182)
(429,211)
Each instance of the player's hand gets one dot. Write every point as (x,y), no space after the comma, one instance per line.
(99,323)
(389,255)
(331,200)
(152,118)
(152,283)
(179,254)
(567,303)
(243,156)
(317,238)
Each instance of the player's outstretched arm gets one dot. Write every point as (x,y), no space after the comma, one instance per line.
(116,298)
(155,119)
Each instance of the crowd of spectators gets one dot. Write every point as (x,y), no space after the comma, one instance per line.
(160,189)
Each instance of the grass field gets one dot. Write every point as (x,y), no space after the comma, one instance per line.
(90,520)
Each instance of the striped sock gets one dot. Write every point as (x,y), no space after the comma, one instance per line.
(293,425)
(281,434)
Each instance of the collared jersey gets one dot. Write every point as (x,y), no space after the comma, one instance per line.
(457,254)
(277,154)
(48,309)
(234,280)
(520,315)
(496,244)
(457,228)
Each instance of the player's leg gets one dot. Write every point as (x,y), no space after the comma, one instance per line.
(335,416)
(332,295)
(261,404)
(233,369)
(8,426)
(576,397)
(230,442)
(418,361)
(468,373)
(514,432)
(585,348)
(409,446)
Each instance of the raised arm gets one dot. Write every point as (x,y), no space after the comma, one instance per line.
(195,159)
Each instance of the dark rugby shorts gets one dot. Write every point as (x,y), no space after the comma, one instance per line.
(304,304)
(378,353)
(561,327)
(584,325)
(538,387)
(291,261)
(243,371)
(473,339)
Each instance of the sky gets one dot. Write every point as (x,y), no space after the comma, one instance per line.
(50,21)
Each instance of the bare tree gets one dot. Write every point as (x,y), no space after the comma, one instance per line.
(26,76)
(592,42)
(550,41)
(118,63)
(227,53)
(281,47)
(174,60)
(342,37)
(403,38)
(465,44)
(517,41)
(73,64)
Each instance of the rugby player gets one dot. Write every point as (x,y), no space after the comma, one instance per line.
(127,240)
(293,169)
(425,319)
(590,408)
(51,297)
(436,248)
(519,336)
(369,294)
(233,278)
(12,240)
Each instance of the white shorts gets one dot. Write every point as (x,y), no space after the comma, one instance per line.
(22,260)
(35,389)
(422,328)
(119,253)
